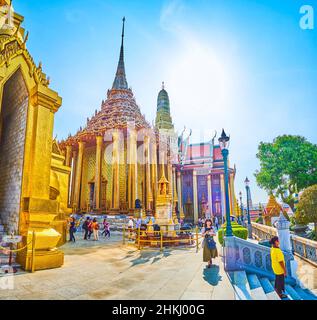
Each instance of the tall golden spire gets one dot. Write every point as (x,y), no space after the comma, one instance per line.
(120,81)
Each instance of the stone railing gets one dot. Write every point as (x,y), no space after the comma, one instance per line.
(262,232)
(303,248)
(250,256)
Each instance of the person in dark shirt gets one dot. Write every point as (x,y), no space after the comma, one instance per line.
(72,230)
(86,228)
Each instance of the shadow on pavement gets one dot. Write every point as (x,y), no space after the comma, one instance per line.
(149,257)
(212,275)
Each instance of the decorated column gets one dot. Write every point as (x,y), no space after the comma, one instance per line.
(115,170)
(195,193)
(175,197)
(209,182)
(132,169)
(154,172)
(149,197)
(72,196)
(180,192)
(68,159)
(79,168)
(232,196)
(99,140)
(223,198)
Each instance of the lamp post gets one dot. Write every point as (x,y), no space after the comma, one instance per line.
(247,186)
(224,144)
(241,208)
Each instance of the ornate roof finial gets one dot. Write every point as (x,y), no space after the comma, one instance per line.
(123,25)
(120,81)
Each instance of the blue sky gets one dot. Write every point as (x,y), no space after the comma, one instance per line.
(243,65)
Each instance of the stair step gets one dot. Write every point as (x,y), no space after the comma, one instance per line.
(257,291)
(292,292)
(269,289)
(241,285)
(305,294)
(286,292)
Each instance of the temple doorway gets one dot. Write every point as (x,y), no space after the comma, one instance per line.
(13,118)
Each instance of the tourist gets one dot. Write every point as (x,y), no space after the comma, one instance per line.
(72,230)
(130,228)
(106,228)
(209,244)
(90,228)
(86,228)
(278,266)
(95,229)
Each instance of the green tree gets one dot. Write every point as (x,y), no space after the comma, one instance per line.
(307,207)
(287,164)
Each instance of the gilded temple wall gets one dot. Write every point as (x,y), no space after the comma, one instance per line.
(14,115)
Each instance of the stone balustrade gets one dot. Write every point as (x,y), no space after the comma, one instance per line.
(255,258)
(302,247)
(262,232)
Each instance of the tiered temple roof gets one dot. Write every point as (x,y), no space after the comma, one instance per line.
(117,112)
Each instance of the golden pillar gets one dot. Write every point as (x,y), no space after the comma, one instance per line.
(115,171)
(99,140)
(154,172)
(68,159)
(79,168)
(195,193)
(175,197)
(149,197)
(72,186)
(132,175)
(180,193)
(209,185)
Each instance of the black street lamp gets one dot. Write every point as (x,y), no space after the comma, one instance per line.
(247,186)
(224,144)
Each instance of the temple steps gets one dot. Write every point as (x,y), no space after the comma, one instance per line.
(249,286)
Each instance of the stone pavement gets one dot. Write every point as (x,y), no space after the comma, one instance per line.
(108,270)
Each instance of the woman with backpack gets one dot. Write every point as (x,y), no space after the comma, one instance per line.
(209,244)
(95,229)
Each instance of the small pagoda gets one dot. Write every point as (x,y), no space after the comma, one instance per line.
(273,209)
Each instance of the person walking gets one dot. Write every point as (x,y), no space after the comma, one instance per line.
(106,229)
(130,228)
(209,245)
(279,267)
(95,229)
(86,228)
(72,230)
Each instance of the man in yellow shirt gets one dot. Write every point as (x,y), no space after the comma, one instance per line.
(278,266)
